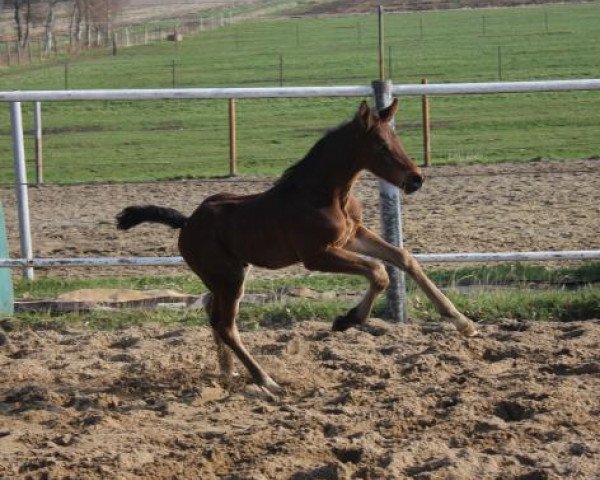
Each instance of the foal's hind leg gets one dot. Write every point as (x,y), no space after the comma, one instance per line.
(223,352)
(368,243)
(222,318)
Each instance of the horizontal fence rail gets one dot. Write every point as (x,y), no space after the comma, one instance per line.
(391,216)
(299,92)
(421,257)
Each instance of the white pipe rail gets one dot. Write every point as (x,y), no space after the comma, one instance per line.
(421,257)
(298,92)
(186,93)
(497,87)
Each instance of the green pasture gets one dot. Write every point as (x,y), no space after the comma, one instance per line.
(137,141)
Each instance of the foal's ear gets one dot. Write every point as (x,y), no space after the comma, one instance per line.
(363,116)
(388,113)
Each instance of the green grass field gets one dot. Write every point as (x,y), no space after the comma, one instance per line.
(521,300)
(524,295)
(117,141)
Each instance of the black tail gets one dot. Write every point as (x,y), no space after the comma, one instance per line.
(132,216)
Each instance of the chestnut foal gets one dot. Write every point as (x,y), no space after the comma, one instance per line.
(308,216)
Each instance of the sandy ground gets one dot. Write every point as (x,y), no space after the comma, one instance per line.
(414,401)
(384,402)
(503,207)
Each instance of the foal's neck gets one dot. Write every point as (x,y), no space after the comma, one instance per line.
(331,167)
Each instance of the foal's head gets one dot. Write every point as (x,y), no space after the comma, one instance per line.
(381,150)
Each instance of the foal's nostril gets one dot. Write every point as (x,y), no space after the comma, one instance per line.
(413,183)
(416,180)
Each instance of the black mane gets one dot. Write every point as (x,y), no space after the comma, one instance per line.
(300,168)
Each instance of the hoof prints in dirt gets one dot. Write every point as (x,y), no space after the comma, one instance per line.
(513,411)
(379,402)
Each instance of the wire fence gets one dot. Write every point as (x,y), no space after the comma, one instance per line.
(549,42)
(174,140)
(169,140)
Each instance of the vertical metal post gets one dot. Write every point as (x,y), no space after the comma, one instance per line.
(39,158)
(66,75)
(232,138)
(499,63)
(16,122)
(280,70)
(390,202)
(426,128)
(381,53)
(173,73)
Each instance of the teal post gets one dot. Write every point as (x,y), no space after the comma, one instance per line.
(6,288)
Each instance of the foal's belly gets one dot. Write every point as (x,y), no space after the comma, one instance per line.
(256,235)
(263,246)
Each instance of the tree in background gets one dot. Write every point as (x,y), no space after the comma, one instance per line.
(89,16)
(22,16)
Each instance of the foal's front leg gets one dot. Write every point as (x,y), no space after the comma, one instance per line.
(338,260)
(369,243)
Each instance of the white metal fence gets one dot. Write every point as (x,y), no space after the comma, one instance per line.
(15,98)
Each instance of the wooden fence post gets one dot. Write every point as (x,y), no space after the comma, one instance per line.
(232,138)
(426,128)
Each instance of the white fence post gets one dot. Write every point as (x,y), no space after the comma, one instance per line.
(390,202)
(39,155)
(16,121)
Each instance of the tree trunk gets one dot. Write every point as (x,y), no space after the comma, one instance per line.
(17,14)
(48,28)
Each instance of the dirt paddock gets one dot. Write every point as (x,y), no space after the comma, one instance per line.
(414,401)
(391,402)
(480,208)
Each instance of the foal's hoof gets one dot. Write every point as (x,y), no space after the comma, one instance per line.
(271,386)
(469,331)
(344,322)
(464,326)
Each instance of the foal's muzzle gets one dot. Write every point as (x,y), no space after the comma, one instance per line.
(412,183)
